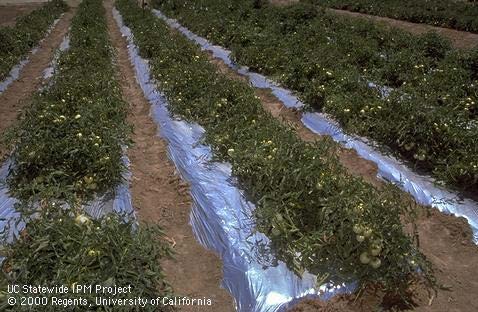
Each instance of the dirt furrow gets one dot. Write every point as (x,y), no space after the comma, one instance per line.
(31,76)
(160,196)
(459,39)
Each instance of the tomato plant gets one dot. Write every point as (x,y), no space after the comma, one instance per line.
(67,150)
(429,118)
(57,249)
(319,218)
(68,143)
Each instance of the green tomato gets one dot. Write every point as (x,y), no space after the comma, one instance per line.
(367,232)
(360,238)
(375,263)
(364,258)
(409,146)
(375,251)
(357,229)
(275,232)
(413,263)
(359,209)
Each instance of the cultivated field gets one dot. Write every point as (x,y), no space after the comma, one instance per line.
(237,155)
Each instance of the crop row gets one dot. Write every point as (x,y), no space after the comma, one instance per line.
(68,143)
(17,41)
(461,15)
(319,218)
(425,109)
(67,149)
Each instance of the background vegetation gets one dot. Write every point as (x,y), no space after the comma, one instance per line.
(424,109)
(461,15)
(20,39)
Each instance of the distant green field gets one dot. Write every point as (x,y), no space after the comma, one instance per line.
(18,40)
(461,15)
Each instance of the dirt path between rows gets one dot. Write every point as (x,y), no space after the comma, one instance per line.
(444,239)
(160,196)
(459,39)
(31,76)
(10,13)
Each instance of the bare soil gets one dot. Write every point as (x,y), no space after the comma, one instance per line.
(31,76)
(334,305)
(459,39)
(10,13)
(161,197)
(445,239)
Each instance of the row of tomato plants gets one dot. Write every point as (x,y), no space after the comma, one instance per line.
(67,149)
(461,15)
(319,218)
(430,114)
(18,40)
